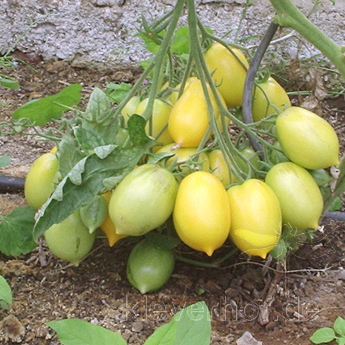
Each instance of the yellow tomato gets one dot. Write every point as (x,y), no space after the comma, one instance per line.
(40,180)
(307,139)
(172,98)
(227,72)
(183,154)
(219,168)
(189,117)
(269,99)
(256,219)
(299,195)
(129,109)
(160,117)
(201,214)
(108,227)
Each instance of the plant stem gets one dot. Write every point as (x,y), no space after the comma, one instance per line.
(288,15)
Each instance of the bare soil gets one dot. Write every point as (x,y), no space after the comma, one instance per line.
(277,303)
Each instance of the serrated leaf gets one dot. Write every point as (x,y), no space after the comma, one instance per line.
(117,92)
(43,110)
(79,332)
(191,325)
(323,335)
(97,107)
(5,293)
(339,326)
(96,170)
(9,83)
(16,232)
(4,161)
(104,151)
(88,139)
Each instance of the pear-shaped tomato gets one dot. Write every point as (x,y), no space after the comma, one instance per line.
(219,167)
(94,213)
(189,117)
(40,180)
(229,70)
(143,200)
(183,154)
(160,116)
(307,139)
(298,193)
(70,240)
(149,266)
(201,214)
(129,109)
(256,219)
(269,98)
(173,97)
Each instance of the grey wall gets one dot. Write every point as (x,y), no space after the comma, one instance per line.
(101,32)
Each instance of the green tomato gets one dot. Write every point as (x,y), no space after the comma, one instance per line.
(40,180)
(251,156)
(129,109)
(70,240)
(149,266)
(269,98)
(93,215)
(307,139)
(299,196)
(143,200)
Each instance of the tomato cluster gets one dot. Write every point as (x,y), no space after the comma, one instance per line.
(208,194)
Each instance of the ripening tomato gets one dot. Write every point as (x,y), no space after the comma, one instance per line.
(307,139)
(249,154)
(173,97)
(201,214)
(143,200)
(219,167)
(41,179)
(94,213)
(189,117)
(269,98)
(228,73)
(298,193)
(256,218)
(183,154)
(70,240)
(160,116)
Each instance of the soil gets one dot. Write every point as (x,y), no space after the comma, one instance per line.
(276,302)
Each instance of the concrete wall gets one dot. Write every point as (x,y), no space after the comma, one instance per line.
(101,32)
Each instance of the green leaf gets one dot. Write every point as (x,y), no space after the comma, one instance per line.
(9,83)
(163,240)
(16,232)
(339,326)
(5,293)
(191,325)
(117,92)
(340,341)
(180,42)
(48,108)
(94,172)
(136,129)
(79,332)
(98,106)
(88,139)
(323,335)
(4,161)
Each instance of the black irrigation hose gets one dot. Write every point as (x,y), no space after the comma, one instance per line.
(9,184)
(249,83)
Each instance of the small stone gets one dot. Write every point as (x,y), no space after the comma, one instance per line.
(137,326)
(248,339)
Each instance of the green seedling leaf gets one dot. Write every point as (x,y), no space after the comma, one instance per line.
(43,110)
(9,83)
(117,92)
(191,325)
(98,106)
(339,326)
(340,341)
(180,42)
(5,293)
(95,171)
(16,231)
(79,332)
(4,161)
(323,335)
